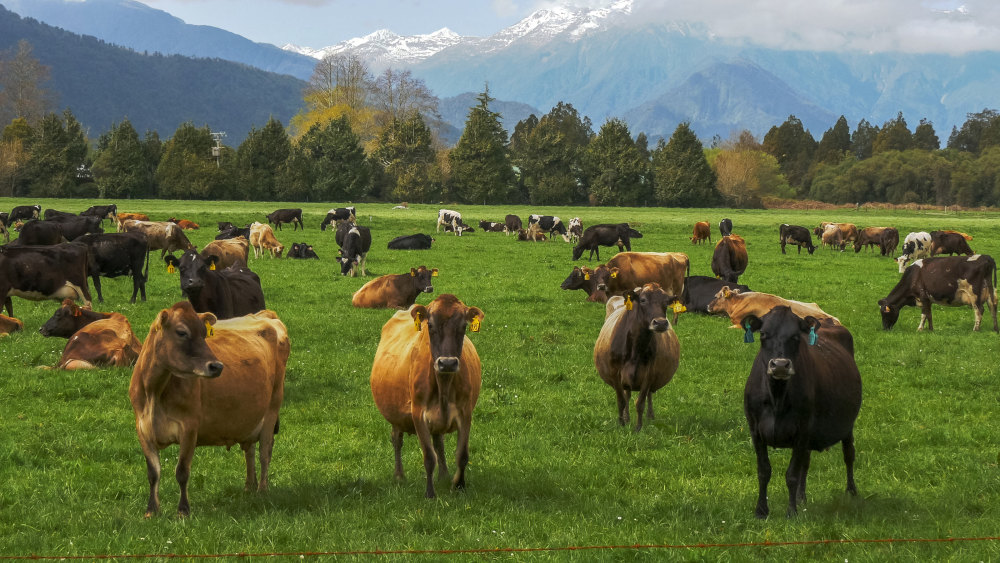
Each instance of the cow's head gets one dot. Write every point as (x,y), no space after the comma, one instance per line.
(193,268)
(578,251)
(446,319)
(722,300)
(781,334)
(421,278)
(890,314)
(64,322)
(649,304)
(602,275)
(579,278)
(178,335)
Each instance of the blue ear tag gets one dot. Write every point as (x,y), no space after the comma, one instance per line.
(812,336)
(748,335)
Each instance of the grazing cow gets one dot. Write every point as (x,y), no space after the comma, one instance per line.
(337,215)
(163,236)
(848,231)
(949,242)
(24,213)
(549,224)
(104,342)
(68,319)
(232,292)
(794,234)
(355,241)
(228,251)
(52,213)
(40,233)
(9,325)
(702,232)
(739,305)
(262,238)
(122,217)
(512,224)
(74,226)
(303,251)
(584,278)
(491,227)
(465,228)
(118,254)
(102,211)
(637,350)
(293,216)
(889,241)
(233,232)
(725,227)
(595,236)
(869,237)
(953,281)
(426,381)
(38,273)
(700,291)
(729,260)
(184,224)
(833,237)
(575,229)
(202,382)
(411,242)
(915,246)
(803,393)
(448,217)
(532,233)
(395,290)
(628,270)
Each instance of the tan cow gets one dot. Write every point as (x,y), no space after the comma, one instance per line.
(833,237)
(702,232)
(202,382)
(227,251)
(870,237)
(637,350)
(849,231)
(9,325)
(628,270)
(262,238)
(163,236)
(105,342)
(426,379)
(395,290)
(739,305)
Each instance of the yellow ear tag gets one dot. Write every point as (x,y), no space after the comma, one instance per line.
(209,331)
(211,266)
(678,307)
(434,273)
(413,273)
(628,302)
(614,275)
(416,321)
(475,324)
(586,277)
(170,268)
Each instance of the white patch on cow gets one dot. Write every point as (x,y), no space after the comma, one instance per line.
(354,230)
(966,295)
(919,263)
(923,319)
(974,257)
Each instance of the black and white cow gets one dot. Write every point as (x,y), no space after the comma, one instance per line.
(411,242)
(491,227)
(24,213)
(794,234)
(915,246)
(118,254)
(575,229)
(338,214)
(355,241)
(549,224)
(944,280)
(725,227)
(449,217)
(38,273)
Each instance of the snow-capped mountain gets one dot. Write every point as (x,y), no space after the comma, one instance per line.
(384,48)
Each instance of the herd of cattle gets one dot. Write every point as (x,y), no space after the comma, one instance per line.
(426,375)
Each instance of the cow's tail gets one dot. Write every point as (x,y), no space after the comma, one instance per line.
(277,424)
(146,273)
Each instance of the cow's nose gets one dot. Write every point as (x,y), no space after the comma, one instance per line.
(780,366)
(429,289)
(602,287)
(659,325)
(214,369)
(447,364)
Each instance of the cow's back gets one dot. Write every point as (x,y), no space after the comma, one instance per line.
(639,268)
(381,292)
(104,342)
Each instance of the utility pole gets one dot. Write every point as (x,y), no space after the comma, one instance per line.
(217,149)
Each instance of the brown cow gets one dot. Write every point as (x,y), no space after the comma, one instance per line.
(702,232)
(184,224)
(227,251)
(629,270)
(262,238)
(122,217)
(637,350)
(163,236)
(9,325)
(69,318)
(584,278)
(395,290)
(739,305)
(179,397)
(426,379)
(849,231)
(870,237)
(105,342)
(729,260)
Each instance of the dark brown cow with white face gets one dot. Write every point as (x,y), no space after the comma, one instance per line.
(395,290)
(426,379)
(953,280)
(729,260)
(637,350)
(803,393)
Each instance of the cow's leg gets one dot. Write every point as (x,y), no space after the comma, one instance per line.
(795,476)
(462,449)
(640,405)
(803,471)
(439,451)
(763,475)
(397,450)
(97,287)
(783,247)
(183,471)
(649,405)
(8,305)
(426,446)
(622,399)
(364,259)
(925,314)
(248,453)
(848,447)
(153,475)
(992,302)
(977,311)
(266,448)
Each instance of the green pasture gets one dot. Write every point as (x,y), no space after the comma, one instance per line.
(549,465)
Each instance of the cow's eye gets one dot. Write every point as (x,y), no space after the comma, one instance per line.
(181,333)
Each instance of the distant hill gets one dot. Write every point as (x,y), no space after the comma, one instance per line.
(102,84)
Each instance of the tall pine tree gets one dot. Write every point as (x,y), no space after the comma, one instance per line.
(481,171)
(681,173)
(616,169)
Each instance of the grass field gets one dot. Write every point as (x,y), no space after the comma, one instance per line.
(549,465)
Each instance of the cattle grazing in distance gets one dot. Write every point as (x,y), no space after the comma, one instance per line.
(262,239)
(575,229)
(232,231)
(869,237)
(725,227)
(512,224)
(337,215)
(227,251)
(411,242)
(946,280)
(629,270)
(584,278)
(24,213)
(833,237)
(532,233)
(637,350)
(888,242)
(68,319)
(163,236)
(447,217)
(53,213)
(949,242)
(739,305)
(9,325)
(395,290)
(178,396)
(848,231)
(796,235)
(104,342)
(915,246)
(491,227)
(293,216)
(38,273)
(700,291)
(549,224)
(729,260)
(231,292)
(103,211)
(426,379)
(118,254)
(702,232)
(355,241)
(803,393)
(595,236)
(184,224)
(302,251)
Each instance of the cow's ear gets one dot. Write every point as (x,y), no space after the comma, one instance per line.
(208,318)
(614,272)
(419,314)
(160,321)
(751,324)
(474,315)
(413,272)
(434,273)
(810,324)
(726,292)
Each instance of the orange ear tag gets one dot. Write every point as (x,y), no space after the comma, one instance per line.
(475,324)
(170,268)
(76,313)
(628,302)
(416,322)
(209,331)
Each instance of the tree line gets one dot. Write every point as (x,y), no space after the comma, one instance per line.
(361,137)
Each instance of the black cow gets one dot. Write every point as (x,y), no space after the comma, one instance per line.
(24,213)
(232,292)
(102,211)
(52,213)
(411,242)
(491,227)
(355,241)
(803,393)
(606,234)
(512,224)
(118,254)
(549,224)
(699,291)
(68,319)
(725,227)
(40,233)
(337,215)
(43,272)
(293,216)
(233,231)
(74,226)
(794,234)
(945,280)
(4,218)
(949,242)
(584,278)
(302,250)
